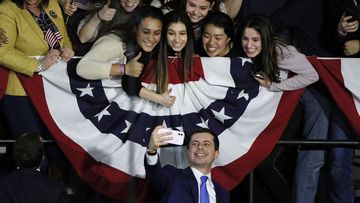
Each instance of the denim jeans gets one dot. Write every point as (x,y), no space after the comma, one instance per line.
(340,159)
(323,120)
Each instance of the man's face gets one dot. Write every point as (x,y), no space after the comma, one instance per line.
(201,152)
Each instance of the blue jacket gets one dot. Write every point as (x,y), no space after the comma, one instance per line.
(179,185)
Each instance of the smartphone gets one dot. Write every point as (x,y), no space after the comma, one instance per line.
(178,136)
(349,12)
(258,75)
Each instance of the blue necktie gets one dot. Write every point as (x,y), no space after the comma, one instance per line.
(204,195)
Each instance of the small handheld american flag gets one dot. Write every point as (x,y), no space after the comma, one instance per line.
(53,38)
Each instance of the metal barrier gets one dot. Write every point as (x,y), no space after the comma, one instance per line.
(303,144)
(5,142)
(13,141)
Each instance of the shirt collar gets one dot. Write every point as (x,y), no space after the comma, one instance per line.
(198,174)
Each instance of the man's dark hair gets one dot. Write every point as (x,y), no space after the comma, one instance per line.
(28,151)
(205,130)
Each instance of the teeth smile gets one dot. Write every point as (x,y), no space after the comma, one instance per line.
(211,49)
(200,154)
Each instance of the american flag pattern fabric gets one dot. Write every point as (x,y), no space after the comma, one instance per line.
(104,133)
(53,38)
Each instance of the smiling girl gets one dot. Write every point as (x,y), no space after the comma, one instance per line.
(179,45)
(270,54)
(217,37)
(98,62)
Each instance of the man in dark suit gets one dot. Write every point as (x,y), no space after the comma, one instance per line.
(26,184)
(192,184)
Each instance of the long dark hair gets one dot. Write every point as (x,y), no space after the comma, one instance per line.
(187,53)
(267,60)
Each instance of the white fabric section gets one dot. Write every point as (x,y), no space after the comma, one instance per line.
(214,67)
(151,160)
(73,123)
(351,78)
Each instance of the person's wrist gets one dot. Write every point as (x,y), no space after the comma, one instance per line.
(268,84)
(98,16)
(39,66)
(151,152)
(341,32)
(122,69)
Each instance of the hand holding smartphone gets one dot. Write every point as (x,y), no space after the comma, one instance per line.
(178,136)
(349,12)
(258,75)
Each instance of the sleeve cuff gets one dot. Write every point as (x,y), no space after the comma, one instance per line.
(152,160)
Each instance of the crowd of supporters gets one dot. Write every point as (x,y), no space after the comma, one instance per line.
(276,35)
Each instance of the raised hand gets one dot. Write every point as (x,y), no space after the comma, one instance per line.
(346,26)
(68,7)
(165,99)
(158,139)
(133,67)
(106,13)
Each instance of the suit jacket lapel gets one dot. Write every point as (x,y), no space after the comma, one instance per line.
(192,184)
(218,192)
(32,23)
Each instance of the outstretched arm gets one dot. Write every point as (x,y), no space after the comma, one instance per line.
(233,7)
(88,30)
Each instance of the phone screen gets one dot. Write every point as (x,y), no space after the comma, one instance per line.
(349,12)
(258,75)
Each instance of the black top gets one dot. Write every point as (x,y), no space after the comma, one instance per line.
(29,186)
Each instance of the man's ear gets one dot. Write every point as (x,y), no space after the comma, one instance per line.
(216,154)
(228,40)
